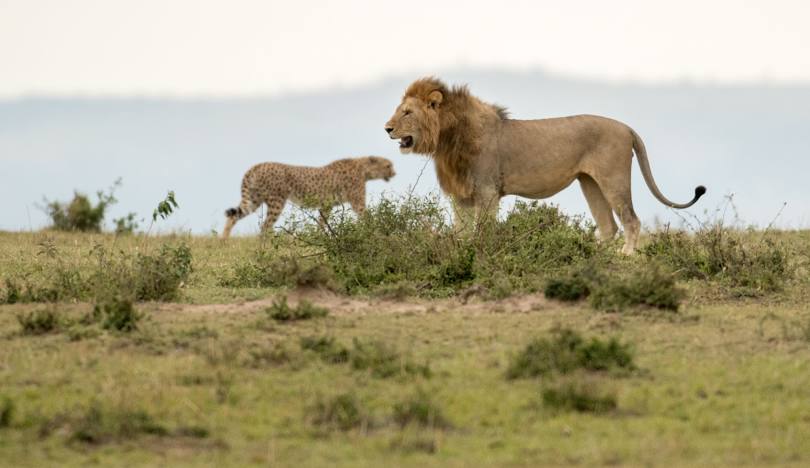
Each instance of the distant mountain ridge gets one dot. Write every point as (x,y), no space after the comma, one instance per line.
(749,140)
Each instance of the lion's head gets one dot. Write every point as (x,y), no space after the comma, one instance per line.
(416,122)
(447,124)
(376,167)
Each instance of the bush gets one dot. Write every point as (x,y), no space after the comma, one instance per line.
(268,269)
(327,348)
(649,285)
(6,412)
(140,277)
(268,356)
(126,224)
(80,214)
(392,241)
(715,251)
(117,314)
(100,425)
(536,238)
(39,322)
(158,277)
(578,394)
(383,361)
(420,409)
(566,352)
(575,285)
(343,412)
(408,241)
(396,291)
(281,312)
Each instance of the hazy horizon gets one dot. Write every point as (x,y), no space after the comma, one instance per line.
(733,139)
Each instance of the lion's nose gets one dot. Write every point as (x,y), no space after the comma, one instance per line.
(389,129)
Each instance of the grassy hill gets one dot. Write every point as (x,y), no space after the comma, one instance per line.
(179,350)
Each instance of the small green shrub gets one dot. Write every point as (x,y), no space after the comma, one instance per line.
(536,238)
(39,322)
(458,268)
(393,241)
(165,207)
(568,288)
(97,425)
(649,285)
(280,311)
(414,442)
(383,361)
(751,263)
(578,394)
(11,293)
(6,412)
(268,269)
(18,291)
(420,409)
(273,355)
(195,432)
(327,348)
(343,412)
(158,277)
(568,351)
(126,224)
(408,241)
(396,291)
(117,314)
(79,214)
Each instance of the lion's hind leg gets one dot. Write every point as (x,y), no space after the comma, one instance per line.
(600,208)
(618,196)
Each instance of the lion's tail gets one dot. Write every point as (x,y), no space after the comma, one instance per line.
(644,163)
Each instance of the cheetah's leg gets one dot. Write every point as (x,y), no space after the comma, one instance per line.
(324,216)
(246,206)
(274,207)
(357,199)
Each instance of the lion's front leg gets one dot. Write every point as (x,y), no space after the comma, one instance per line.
(486,208)
(464,214)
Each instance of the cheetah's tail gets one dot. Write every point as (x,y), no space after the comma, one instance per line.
(246,206)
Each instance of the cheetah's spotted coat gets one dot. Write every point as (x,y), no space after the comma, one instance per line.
(324,187)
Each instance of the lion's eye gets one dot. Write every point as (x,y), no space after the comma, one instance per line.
(407,112)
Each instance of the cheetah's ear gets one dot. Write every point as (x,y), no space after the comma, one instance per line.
(434,99)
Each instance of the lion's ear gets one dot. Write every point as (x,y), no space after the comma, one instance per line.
(434,99)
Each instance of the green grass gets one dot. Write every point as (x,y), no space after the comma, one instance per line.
(567,351)
(200,381)
(578,394)
(280,311)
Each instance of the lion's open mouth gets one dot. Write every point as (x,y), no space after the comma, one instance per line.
(406,142)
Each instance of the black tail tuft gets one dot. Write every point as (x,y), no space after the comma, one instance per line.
(699,191)
(231,212)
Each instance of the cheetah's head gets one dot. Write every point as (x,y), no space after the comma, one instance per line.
(377,167)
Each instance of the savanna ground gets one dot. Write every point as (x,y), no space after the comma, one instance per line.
(403,343)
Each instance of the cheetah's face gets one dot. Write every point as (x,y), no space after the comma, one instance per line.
(379,168)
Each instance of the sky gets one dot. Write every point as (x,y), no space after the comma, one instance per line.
(675,59)
(216,48)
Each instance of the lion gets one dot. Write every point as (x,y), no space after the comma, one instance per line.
(481,155)
(323,187)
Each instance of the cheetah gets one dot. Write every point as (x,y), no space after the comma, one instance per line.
(323,187)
